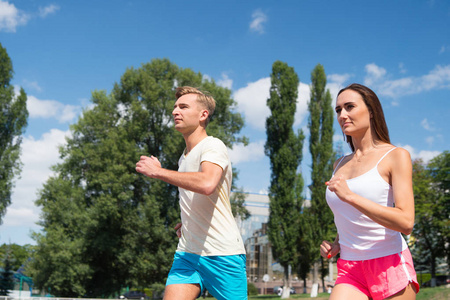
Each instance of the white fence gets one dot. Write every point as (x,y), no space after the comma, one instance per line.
(27,297)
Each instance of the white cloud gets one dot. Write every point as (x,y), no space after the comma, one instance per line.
(395,103)
(37,158)
(51,109)
(32,85)
(263,192)
(444,49)
(377,79)
(258,20)
(17,216)
(374,74)
(338,137)
(45,11)
(253,152)
(335,83)
(402,68)
(68,113)
(11,17)
(334,90)
(426,125)
(439,77)
(252,101)
(206,77)
(426,156)
(429,140)
(225,81)
(339,79)
(304,94)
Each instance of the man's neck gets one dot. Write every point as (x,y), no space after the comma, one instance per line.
(193,138)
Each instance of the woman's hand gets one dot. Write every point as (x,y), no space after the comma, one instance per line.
(338,185)
(329,250)
(396,169)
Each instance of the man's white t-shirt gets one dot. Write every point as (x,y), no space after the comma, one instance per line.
(209,227)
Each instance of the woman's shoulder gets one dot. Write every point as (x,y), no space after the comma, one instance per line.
(337,161)
(398,156)
(340,160)
(400,153)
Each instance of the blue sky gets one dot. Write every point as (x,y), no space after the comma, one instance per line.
(63,50)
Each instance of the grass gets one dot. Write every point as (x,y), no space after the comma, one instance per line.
(321,296)
(437,293)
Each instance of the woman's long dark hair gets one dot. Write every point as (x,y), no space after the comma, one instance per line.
(377,120)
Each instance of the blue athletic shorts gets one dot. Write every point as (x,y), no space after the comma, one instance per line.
(224,277)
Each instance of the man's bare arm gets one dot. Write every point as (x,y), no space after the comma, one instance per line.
(203,182)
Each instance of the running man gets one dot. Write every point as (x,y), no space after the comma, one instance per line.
(210,252)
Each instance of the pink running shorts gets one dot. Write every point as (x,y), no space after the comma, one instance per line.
(379,278)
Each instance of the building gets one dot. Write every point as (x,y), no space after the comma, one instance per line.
(254,232)
(258,206)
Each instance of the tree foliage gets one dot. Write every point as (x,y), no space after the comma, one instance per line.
(431,233)
(13,121)
(20,254)
(106,227)
(320,125)
(306,249)
(284,148)
(439,169)
(6,274)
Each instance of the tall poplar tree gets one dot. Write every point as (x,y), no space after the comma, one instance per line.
(320,125)
(284,148)
(13,121)
(106,227)
(306,249)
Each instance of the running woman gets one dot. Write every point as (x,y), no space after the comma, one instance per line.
(371,196)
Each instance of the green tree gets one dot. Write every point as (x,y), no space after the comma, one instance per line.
(237,202)
(20,254)
(431,233)
(284,148)
(106,227)
(439,168)
(305,246)
(13,120)
(320,125)
(6,274)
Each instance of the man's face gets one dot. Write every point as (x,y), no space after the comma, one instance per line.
(187,113)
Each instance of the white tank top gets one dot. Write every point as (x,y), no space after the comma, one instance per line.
(360,238)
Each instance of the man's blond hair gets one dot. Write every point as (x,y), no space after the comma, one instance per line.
(203,98)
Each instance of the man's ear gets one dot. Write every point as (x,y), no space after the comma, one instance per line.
(204,115)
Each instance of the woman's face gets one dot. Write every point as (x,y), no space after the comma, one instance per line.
(352,113)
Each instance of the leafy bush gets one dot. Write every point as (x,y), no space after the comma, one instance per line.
(251,289)
(157,290)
